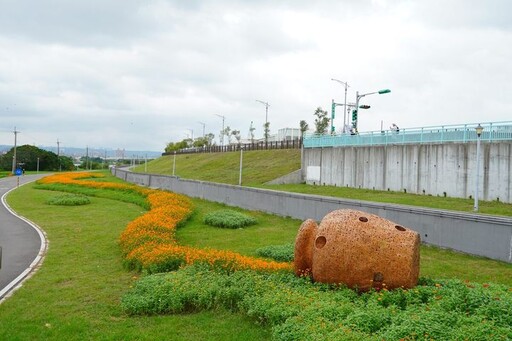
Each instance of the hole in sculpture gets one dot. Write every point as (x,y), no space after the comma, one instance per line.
(363,219)
(378,277)
(400,228)
(320,242)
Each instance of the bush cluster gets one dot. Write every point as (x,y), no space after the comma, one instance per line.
(228,219)
(297,309)
(69,200)
(280,253)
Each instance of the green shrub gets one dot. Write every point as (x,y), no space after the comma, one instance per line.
(69,200)
(280,253)
(228,219)
(297,309)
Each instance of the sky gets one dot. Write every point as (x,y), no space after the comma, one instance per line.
(138,74)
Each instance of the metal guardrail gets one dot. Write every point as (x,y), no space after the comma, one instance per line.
(493,131)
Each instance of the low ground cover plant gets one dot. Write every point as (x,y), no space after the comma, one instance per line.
(298,309)
(228,219)
(280,253)
(69,200)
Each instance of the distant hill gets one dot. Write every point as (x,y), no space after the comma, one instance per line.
(93,152)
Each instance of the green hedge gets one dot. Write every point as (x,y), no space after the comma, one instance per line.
(280,253)
(69,200)
(228,219)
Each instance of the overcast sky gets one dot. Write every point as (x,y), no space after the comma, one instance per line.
(137,74)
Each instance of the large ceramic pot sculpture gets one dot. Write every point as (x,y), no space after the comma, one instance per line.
(359,250)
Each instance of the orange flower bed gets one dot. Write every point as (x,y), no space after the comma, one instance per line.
(149,241)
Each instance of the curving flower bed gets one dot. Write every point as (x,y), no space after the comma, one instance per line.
(149,242)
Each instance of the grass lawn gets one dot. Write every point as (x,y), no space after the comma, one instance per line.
(77,292)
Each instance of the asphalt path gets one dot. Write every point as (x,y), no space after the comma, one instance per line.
(23,243)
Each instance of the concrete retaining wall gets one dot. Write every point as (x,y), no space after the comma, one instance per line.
(471,233)
(447,169)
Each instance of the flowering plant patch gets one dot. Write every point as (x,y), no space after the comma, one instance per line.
(149,242)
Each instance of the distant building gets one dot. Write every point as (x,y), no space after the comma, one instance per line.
(283,134)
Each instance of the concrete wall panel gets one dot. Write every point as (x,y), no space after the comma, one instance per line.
(437,169)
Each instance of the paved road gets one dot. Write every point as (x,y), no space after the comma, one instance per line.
(23,245)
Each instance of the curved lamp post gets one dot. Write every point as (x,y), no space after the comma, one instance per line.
(344,107)
(479,129)
(358,97)
(266,119)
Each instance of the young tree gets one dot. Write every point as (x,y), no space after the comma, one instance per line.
(209,139)
(303,127)
(227,132)
(251,132)
(236,134)
(266,130)
(321,121)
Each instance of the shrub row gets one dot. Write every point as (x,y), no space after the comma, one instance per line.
(228,219)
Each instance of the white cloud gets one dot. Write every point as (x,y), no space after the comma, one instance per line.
(138,74)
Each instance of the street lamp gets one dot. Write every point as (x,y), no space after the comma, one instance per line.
(358,97)
(266,118)
(345,106)
(222,132)
(204,125)
(479,129)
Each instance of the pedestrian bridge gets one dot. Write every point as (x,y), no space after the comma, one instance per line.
(492,132)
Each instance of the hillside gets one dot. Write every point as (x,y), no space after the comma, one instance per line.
(259,166)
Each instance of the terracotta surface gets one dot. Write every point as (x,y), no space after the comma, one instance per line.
(358,249)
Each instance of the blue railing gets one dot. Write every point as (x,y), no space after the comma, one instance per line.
(496,131)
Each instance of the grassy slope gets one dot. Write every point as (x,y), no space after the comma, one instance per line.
(262,166)
(259,166)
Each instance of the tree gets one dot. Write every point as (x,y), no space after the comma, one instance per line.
(226,132)
(236,134)
(321,122)
(251,131)
(28,157)
(266,130)
(209,138)
(200,142)
(175,146)
(303,127)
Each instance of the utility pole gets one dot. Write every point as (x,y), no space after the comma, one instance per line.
(14,153)
(204,125)
(58,154)
(222,133)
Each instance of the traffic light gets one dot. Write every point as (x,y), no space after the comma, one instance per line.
(354,115)
(364,106)
(333,109)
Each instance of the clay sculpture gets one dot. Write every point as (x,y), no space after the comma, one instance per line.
(359,250)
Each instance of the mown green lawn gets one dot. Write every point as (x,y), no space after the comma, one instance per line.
(77,292)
